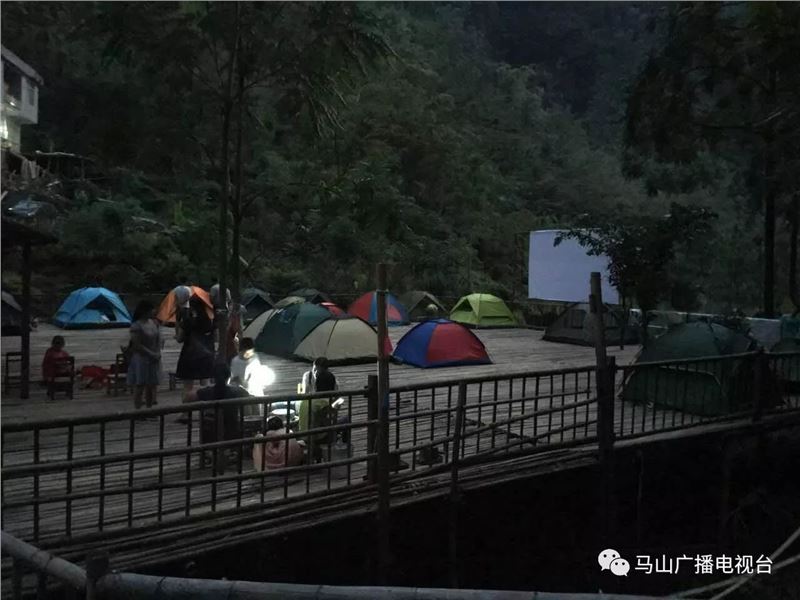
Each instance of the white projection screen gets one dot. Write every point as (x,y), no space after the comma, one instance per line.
(561,273)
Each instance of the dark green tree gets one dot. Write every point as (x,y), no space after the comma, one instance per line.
(641,250)
(726,80)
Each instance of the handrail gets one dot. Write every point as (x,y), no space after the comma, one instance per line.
(168,410)
(43,562)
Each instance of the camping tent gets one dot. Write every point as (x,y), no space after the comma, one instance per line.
(482,310)
(419,305)
(255,302)
(283,331)
(440,343)
(344,340)
(168,309)
(366,307)
(311,295)
(288,301)
(256,325)
(714,387)
(333,309)
(575,325)
(92,307)
(11,316)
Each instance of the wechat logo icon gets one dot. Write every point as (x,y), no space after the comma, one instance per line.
(610,560)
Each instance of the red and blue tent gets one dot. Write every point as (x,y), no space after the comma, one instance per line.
(441,343)
(366,307)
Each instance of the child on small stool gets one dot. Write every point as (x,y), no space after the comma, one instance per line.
(55,365)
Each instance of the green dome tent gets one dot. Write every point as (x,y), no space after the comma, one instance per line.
(714,387)
(482,310)
(256,325)
(575,325)
(418,302)
(284,331)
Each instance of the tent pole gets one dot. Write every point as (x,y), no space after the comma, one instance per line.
(25,326)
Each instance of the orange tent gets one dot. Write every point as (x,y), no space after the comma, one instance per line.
(169,308)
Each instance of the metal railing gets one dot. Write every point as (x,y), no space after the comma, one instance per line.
(79,478)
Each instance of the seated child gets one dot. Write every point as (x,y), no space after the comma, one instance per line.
(272,454)
(53,364)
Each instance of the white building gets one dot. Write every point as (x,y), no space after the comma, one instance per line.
(19,104)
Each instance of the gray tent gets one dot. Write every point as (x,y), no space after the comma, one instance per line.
(255,301)
(422,305)
(11,315)
(575,326)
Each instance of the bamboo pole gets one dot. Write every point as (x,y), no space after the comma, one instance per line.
(140,587)
(42,562)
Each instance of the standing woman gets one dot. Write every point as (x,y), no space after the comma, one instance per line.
(144,367)
(194,329)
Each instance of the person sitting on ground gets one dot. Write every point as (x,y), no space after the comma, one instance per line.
(276,454)
(221,391)
(319,378)
(53,364)
(321,412)
(209,427)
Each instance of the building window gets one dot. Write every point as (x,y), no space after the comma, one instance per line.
(12,85)
(31,92)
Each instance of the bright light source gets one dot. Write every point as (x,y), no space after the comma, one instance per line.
(258,377)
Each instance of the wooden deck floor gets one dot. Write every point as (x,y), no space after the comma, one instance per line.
(512,350)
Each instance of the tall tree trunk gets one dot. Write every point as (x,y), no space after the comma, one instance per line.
(237,212)
(769,208)
(769,248)
(224,200)
(794,217)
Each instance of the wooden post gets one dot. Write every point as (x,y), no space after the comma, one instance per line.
(16,579)
(96,567)
(455,499)
(383,428)
(760,368)
(25,327)
(606,370)
(372,430)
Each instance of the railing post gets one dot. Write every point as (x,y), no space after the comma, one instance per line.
(760,367)
(383,428)
(16,579)
(372,430)
(96,567)
(606,376)
(455,499)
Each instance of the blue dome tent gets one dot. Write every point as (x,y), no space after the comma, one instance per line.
(92,307)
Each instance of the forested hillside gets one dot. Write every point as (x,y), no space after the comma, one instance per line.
(434,136)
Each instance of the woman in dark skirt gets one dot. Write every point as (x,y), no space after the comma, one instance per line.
(196,331)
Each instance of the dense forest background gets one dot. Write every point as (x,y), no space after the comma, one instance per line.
(434,136)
